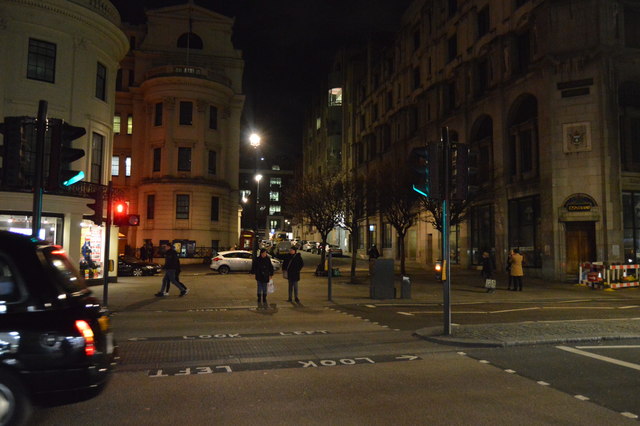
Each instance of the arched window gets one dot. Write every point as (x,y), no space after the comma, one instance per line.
(523,139)
(190,40)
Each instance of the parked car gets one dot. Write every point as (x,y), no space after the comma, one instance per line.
(335,250)
(56,341)
(309,245)
(236,261)
(281,249)
(129,265)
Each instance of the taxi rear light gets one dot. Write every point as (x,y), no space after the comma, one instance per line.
(217,259)
(89,342)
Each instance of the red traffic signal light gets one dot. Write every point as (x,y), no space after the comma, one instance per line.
(121,216)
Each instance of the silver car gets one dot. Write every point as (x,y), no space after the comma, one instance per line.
(236,261)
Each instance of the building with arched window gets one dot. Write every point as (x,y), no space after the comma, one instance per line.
(546,95)
(177,130)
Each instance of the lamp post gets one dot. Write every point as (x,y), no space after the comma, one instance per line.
(254,140)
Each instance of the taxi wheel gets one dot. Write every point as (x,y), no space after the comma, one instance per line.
(15,407)
(224,269)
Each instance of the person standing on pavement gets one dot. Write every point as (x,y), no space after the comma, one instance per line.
(487,270)
(171,269)
(373,255)
(517,271)
(262,268)
(291,270)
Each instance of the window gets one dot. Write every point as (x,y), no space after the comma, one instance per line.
(119,86)
(523,143)
(129,124)
(115,165)
(212,162)
(387,235)
(631,219)
(524,220)
(523,52)
(631,27)
(318,123)
(335,96)
(275,167)
(482,236)
(186,113)
(97,144)
(416,39)
(157,155)
(453,7)
(127,166)
(41,61)
(215,209)
(274,196)
(452,48)
(274,209)
(151,206)
(116,124)
(157,119)
(184,159)
(416,78)
(101,82)
(484,21)
(9,288)
(182,206)
(275,181)
(629,106)
(213,117)
(482,77)
(190,41)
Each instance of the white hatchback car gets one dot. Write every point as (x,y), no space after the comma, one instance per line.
(236,261)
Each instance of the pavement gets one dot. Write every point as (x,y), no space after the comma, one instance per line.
(466,288)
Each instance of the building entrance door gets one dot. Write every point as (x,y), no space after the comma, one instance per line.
(581,244)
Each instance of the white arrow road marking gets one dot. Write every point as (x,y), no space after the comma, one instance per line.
(600,357)
(407,357)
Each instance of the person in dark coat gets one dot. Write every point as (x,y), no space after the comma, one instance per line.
(262,268)
(292,266)
(487,269)
(171,269)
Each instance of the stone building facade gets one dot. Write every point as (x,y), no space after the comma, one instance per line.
(177,119)
(66,52)
(544,92)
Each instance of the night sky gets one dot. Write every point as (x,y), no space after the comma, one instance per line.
(287,46)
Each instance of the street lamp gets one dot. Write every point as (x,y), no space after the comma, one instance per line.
(254,140)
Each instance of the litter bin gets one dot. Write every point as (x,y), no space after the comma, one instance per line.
(405,290)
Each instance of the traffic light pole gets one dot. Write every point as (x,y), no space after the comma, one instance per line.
(105,267)
(41,126)
(446,255)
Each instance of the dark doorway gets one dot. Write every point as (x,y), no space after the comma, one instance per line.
(581,244)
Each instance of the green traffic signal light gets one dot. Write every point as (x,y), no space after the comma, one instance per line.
(62,154)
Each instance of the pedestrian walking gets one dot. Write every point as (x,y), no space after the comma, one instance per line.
(487,272)
(517,271)
(262,268)
(171,272)
(291,271)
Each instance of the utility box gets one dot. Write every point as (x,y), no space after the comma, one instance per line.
(405,290)
(382,286)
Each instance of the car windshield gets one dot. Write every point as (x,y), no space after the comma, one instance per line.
(68,276)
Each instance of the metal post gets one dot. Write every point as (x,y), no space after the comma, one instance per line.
(41,129)
(256,246)
(107,244)
(329,263)
(446,255)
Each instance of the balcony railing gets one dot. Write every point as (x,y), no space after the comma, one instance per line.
(187,71)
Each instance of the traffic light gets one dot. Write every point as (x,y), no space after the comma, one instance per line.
(62,154)
(121,216)
(15,151)
(97,206)
(426,163)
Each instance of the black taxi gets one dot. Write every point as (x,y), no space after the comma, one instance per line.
(56,345)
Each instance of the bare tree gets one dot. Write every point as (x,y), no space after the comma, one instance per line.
(397,202)
(317,202)
(353,211)
(458,211)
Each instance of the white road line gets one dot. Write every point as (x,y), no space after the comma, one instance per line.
(581,397)
(579,307)
(629,415)
(629,307)
(440,312)
(510,371)
(370,306)
(484,361)
(600,357)
(462,353)
(610,347)
(406,313)
(515,310)
(542,383)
